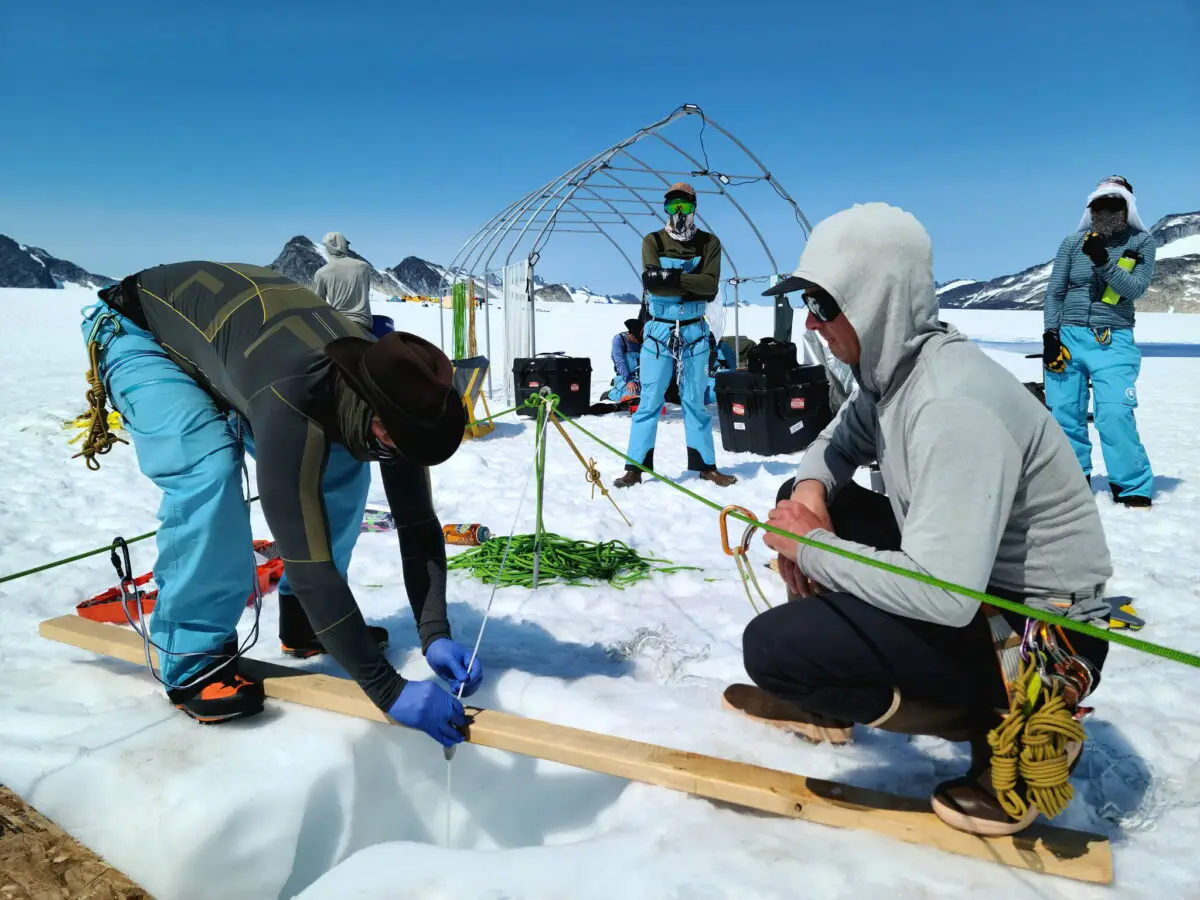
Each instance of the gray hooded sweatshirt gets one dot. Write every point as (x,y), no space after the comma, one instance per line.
(344,282)
(983,483)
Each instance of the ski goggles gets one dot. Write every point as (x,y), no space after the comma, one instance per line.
(686,207)
(823,306)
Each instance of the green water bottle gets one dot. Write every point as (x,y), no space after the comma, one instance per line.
(1128,260)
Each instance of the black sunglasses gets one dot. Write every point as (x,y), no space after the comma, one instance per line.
(1108,204)
(823,306)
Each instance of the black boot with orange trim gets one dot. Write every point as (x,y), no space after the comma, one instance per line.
(221,696)
(296,635)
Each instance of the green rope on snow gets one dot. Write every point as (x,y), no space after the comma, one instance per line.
(531,560)
(559,560)
(78,556)
(503,412)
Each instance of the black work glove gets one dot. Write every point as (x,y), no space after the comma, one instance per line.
(1054,354)
(658,277)
(1093,246)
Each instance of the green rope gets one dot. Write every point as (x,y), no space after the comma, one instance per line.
(1116,637)
(561,560)
(70,559)
(78,556)
(501,413)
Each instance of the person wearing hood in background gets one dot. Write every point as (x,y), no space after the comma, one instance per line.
(983,492)
(681,273)
(1088,313)
(345,282)
(206,361)
(626,352)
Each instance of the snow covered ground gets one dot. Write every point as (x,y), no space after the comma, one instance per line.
(298,802)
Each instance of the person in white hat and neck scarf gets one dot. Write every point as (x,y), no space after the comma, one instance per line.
(1100,271)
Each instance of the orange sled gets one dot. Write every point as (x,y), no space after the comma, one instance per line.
(107,606)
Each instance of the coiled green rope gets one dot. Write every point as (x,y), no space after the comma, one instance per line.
(563,561)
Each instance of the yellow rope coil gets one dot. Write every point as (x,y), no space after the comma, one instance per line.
(98,438)
(1030,748)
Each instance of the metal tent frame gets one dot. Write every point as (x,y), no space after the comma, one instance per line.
(603,193)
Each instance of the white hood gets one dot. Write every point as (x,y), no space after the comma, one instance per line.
(877,263)
(1111,189)
(336,244)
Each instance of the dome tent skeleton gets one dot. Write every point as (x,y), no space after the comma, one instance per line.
(600,197)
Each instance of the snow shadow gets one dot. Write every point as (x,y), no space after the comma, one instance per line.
(505,429)
(517,644)
(1163,484)
(1117,784)
(1115,791)
(749,470)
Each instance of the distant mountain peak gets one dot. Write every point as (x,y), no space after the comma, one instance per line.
(33,267)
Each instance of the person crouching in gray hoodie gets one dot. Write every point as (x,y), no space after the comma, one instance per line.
(983,491)
(345,282)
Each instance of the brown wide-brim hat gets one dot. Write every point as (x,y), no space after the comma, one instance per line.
(409,383)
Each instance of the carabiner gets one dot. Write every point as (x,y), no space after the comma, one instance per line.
(723,521)
(744,566)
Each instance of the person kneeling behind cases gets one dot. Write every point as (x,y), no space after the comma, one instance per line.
(984,492)
(626,353)
(205,361)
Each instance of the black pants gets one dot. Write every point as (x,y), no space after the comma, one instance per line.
(840,656)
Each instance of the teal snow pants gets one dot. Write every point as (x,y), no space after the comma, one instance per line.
(1113,366)
(193,452)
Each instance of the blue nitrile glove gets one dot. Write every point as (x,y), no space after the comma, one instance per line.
(425,706)
(449,660)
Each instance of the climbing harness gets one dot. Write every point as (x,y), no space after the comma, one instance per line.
(739,553)
(676,347)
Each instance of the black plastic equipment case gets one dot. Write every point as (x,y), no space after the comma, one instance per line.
(774,359)
(771,414)
(570,377)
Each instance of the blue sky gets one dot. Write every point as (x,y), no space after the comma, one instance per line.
(137,133)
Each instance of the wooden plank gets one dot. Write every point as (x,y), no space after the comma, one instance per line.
(1042,848)
(38,859)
